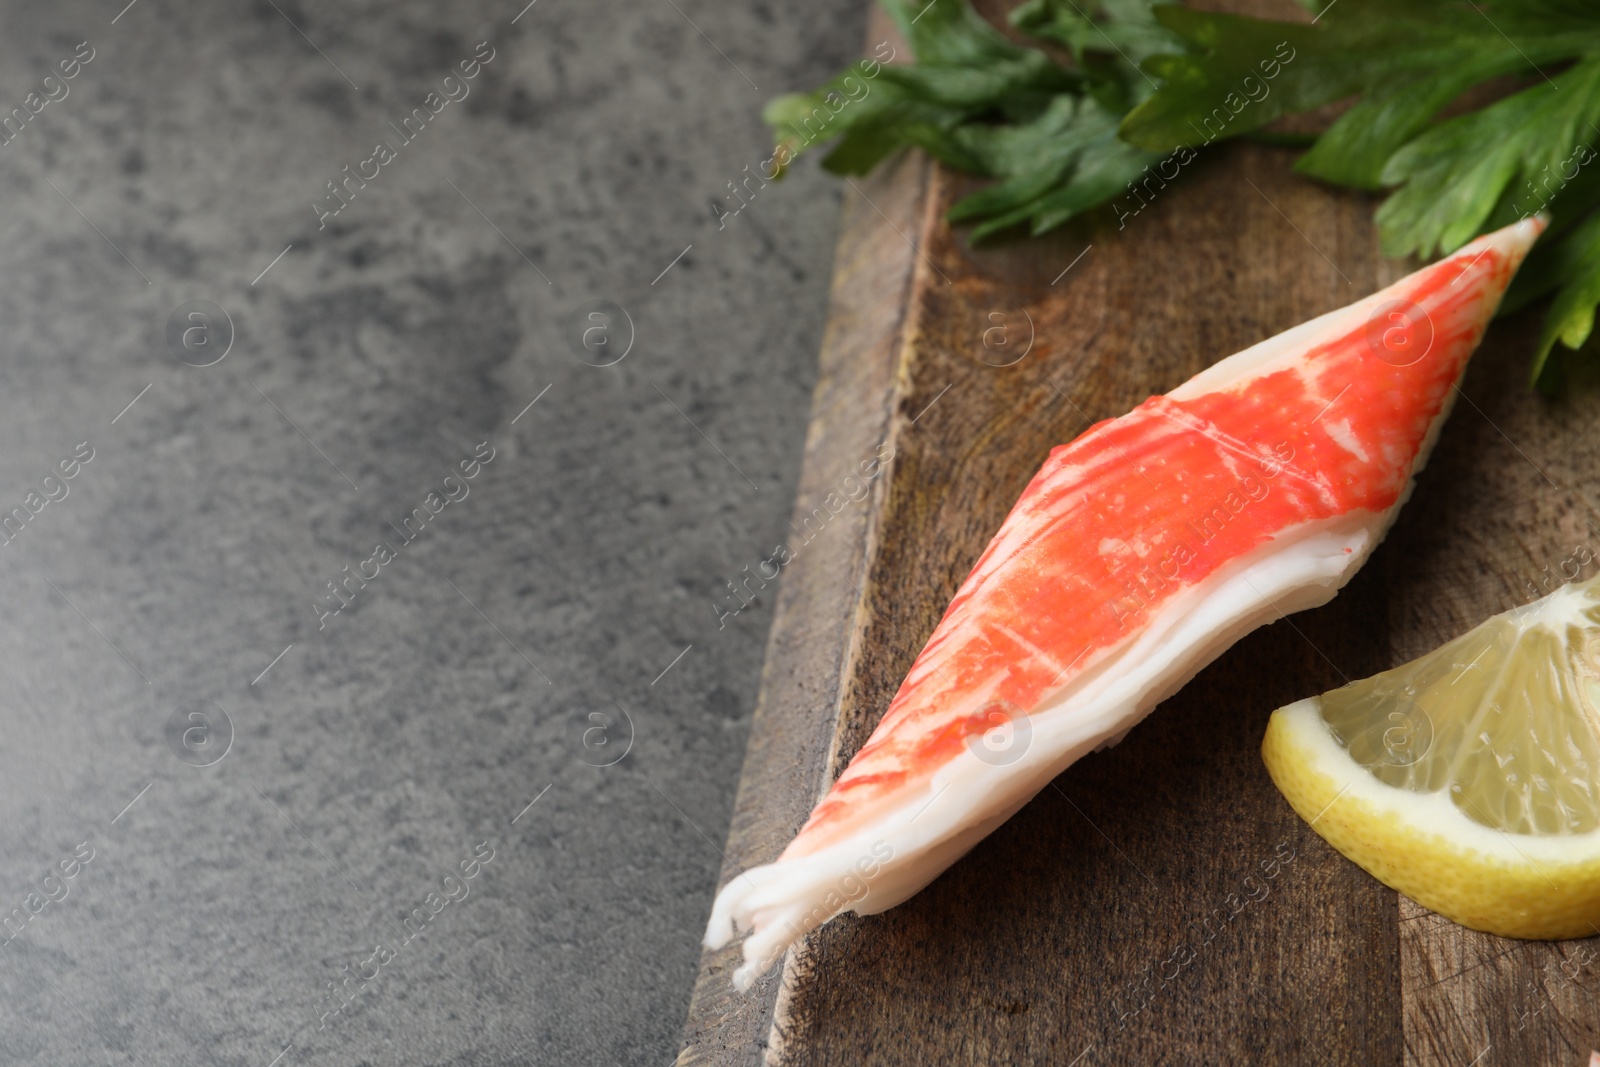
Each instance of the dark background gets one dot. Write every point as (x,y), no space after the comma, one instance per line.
(347,781)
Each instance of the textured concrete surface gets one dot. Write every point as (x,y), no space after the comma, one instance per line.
(281,808)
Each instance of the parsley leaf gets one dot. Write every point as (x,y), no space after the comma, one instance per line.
(1406,61)
(980,103)
(1453,177)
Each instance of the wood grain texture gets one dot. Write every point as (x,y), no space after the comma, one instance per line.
(1497,520)
(1159,902)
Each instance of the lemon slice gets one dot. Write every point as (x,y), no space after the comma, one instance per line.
(1468,779)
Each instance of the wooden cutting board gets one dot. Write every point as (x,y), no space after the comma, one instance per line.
(1160,902)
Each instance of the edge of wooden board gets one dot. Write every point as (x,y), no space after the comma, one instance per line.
(808,651)
(889,351)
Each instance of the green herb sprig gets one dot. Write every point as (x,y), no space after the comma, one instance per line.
(983,104)
(1149,82)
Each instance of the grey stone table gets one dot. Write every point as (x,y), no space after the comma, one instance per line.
(472,816)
